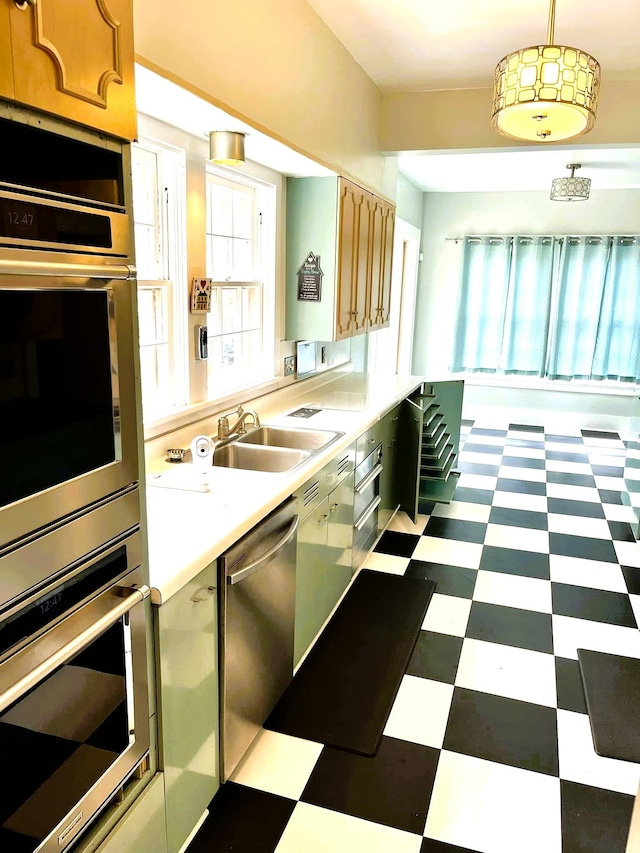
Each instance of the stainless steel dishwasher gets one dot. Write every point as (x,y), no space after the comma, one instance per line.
(257,602)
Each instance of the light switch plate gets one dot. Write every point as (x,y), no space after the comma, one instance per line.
(289,365)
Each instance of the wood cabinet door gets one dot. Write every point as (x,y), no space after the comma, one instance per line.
(376,263)
(6,66)
(353,242)
(75,60)
(384,306)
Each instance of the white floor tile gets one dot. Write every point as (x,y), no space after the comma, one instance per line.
(463,510)
(480,458)
(520,538)
(573,493)
(628,553)
(614,459)
(615,484)
(569,467)
(523,435)
(618,512)
(448,614)
(573,525)
(386,563)
(560,447)
(518,500)
(579,762)
(312,829)
(513,591)
(420,711)
(532,475)
(450,552)
(507,671)
(480,805)
(571,634)
(401,523)
(477,481)
(605,444)
(278,763)
(525,452)
(635,606)
(592,573)
(496,440)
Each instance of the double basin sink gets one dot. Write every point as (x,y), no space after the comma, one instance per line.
(274,449)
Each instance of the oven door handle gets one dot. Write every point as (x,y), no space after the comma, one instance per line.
(47,268)
(366,515)
(20,683)
(362,485)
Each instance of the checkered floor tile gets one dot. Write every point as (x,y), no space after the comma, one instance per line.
(488,747)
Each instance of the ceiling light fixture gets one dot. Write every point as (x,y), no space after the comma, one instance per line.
(226,147)
(570,189)
(546,93)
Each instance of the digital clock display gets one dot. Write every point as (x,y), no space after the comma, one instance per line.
(19,219)
(24,220)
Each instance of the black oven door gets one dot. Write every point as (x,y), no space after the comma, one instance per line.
(74,704)
(67,392)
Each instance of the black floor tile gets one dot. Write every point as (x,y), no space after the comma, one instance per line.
(497,433)
(473,496)
(599,433)
(431,846)
(518,518)
(243,820)
(526,428)
(392,788)
(608,471)
(632,579)
(490,449)
(397,544)
(449,580)
(523,487)
(563,439)
(569,686)
(585,509)
(510,626)
(455,528)
(503,730)
(596,605)
(510,561)
(523,462)
(524,442)
(566,479)
(594,820)
(610,496)
(426,507)
(466,422)
(621,531)
(560,456)
(435,656)
(585,547)
(478,468)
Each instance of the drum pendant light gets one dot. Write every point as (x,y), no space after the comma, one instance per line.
(570,189)
(546,93)
(226,147)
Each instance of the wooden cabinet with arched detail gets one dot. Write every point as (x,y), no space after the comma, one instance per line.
(72,59)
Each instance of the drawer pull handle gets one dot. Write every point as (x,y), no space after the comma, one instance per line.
(334,507)
(371,476)
(23,5)
(366,515)
(323,518)
(203,594)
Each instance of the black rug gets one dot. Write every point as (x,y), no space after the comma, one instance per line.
(612,690)
(342,694)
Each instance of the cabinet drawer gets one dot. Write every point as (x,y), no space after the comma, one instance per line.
(367,442)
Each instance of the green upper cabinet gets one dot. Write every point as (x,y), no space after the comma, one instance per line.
(351,231)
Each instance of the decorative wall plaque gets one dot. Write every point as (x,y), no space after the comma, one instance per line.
(310,279)
(201,295)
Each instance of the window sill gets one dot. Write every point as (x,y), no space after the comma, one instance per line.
(536,384)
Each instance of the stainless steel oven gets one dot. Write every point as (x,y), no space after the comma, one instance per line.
(74,694)
(67,393)
(365,504)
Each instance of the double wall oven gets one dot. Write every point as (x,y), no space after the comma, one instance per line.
(74,605)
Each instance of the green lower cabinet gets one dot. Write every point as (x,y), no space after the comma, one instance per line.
(187,643)
(339,542)
(389,476)
(143,827)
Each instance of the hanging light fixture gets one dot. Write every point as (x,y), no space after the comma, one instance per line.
(226,147)
(546,93)
(570,189)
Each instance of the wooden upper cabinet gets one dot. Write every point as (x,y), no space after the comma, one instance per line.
(6,69)
(353,242)
(376,263)
(387,263)
(75,60)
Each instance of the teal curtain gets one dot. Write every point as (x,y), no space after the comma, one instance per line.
(617,349)
(524,346)
(583,268)
(486,263)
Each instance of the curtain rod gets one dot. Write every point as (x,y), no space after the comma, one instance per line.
(631,237)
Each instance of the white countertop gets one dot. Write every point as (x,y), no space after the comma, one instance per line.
(189,529)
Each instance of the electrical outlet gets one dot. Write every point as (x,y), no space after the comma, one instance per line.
(289,365)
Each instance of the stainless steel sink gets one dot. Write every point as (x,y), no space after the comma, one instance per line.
(291,437)
(256,458)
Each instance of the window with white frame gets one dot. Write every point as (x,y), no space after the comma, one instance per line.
(241,261)
(158,212)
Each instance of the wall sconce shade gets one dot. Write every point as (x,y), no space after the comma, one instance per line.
(546,93)
(572,188)
(226,147)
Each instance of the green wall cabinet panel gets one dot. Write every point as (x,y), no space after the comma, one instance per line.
(187,643)
(143,826)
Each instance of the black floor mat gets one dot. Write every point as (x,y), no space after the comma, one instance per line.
(343,692)
(612,690)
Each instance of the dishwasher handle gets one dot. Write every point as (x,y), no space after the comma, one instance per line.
(256,565)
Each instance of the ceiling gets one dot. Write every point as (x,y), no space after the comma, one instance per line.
(419,45)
